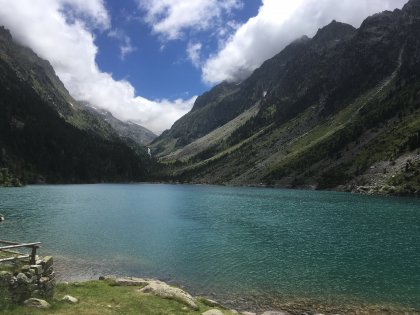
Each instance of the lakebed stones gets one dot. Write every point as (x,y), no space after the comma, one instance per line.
(37,303)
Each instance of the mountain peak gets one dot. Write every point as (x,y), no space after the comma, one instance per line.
(412,8)
(334,31)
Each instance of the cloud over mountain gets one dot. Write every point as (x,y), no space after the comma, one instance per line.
(276,25)
(61,31)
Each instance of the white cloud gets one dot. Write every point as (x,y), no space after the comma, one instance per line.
(193,52)
(171,18)
(126,47)
(278,23)
(60,31)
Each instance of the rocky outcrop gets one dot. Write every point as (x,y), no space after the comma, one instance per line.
(155,287)
(164,290)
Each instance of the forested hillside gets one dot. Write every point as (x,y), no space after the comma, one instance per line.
(48,137)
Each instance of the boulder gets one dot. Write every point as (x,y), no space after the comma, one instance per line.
(212,312)
(47,262)
(70,299)
(21,278)
(164,290)
(248,313)
(211,303)
(276,313)
(139,282)
(37,303)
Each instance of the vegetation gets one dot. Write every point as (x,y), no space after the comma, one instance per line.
(48,137)
(99,297)
(330,109)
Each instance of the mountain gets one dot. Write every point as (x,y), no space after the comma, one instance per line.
(47,136)
(126,130)
(338,111)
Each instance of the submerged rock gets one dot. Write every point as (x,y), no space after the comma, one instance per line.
(163,290)
(211,303)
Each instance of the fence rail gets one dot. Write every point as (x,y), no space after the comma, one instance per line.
(9,248)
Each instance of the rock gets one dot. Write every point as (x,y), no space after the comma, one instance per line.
(248,313)
(37,303)
(21,278)
(131,282)
(212,312)
(211,303)
(47,262)
(234,311)
(163,290)
(37,269)
(276,313)
(69,299)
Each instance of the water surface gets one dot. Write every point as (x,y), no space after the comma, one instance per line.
(227,241)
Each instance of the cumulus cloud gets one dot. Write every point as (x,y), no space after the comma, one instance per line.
(276,25)
(171,18)
(61,32)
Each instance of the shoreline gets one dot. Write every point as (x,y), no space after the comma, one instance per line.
(254,302)
(292,306)
(375,191)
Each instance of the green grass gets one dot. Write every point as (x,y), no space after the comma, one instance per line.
(101,298)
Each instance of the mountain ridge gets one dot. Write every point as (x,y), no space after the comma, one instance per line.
(325,106)
(48,137)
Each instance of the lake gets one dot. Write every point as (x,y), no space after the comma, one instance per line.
(227,242)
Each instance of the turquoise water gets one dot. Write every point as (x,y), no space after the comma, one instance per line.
(227,241)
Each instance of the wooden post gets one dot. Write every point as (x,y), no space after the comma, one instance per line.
(33,255)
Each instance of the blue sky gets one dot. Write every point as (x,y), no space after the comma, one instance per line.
(158,67)
(146,61)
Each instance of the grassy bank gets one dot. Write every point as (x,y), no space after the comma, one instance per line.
(100,297)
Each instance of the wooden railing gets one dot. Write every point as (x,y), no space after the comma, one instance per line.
(10,247)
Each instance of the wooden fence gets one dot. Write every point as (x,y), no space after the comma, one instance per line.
(10,253)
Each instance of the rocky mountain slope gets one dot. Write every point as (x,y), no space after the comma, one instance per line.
(47,136)
(126,130)
(338,111)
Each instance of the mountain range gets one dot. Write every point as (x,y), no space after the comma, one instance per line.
(338,111)
(46,136)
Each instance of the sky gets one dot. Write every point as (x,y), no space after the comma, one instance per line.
(147,60)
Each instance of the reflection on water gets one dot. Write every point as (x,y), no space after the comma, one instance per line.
(227,242)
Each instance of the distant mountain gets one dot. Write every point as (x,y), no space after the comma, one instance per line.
(125,129)
(47,136)
(338,111)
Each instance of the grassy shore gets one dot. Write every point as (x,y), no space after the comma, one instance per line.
(104,297)
(101,297)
